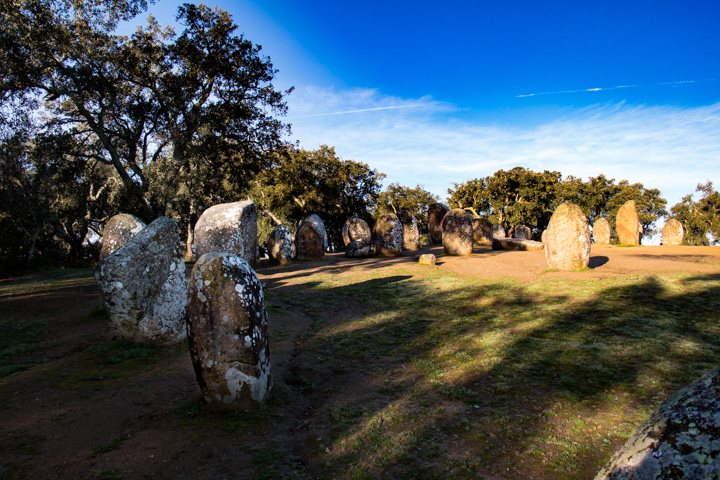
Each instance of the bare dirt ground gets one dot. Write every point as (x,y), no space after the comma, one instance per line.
(70,418)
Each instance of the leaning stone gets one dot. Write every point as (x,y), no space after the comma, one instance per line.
(118,231)
(387,236)
(355,228)
(311,239)
(280,246)
(228,227)
(227,332)
(411,234)
(498,231)
(681,439)
(601,232)
(627,224)
(567,239)
(144,286)
(427,259)
(358,249)
(436,212)
(517,244)
(673,233)
(457,235)
(482,231)
(522,232)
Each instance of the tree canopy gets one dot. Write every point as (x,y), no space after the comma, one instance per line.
(700,218)
(417,200)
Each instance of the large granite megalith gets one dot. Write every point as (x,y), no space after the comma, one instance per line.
(227,332)
(117,231)
(601,232)
(411,234)
(567,239)
(311,239)
(387,236)
(144,286)
(228,227)
(436,213)
(680,440)
(280,247)
(482,231)
(457,234)
(627,224)
(673,232)
(356,229)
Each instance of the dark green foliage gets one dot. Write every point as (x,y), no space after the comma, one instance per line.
(701,218)
(417,200)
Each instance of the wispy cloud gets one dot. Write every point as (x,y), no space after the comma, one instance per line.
(602,89)
(364,110)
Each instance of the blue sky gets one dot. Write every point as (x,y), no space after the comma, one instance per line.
(433,94)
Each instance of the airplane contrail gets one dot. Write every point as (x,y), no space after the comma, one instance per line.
(600,89)
(363,110)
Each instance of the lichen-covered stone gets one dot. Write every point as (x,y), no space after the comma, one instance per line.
(673,232)
(387,236)
(280,247)
(457,234)
(355,228)
(411,234)
(482,232)
(522,232)
(517,244)
(227,332)
(117,231)
(144,286)
(567,239)
(427,259)
(680,440)
(498,231)
(627,224)
(601,232)
(311,239)
(228,227)
(436,213)
(358,249)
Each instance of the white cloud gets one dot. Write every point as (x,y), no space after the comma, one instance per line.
(665,147)
(602,89)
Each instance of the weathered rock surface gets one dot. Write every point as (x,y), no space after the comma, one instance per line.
(567,239)
(411,234)
(627,224)
(457,234)
(355,228)
(117,231)
(522,232)
(517,244)
(387,236)
(144,286)
(482,231)
(436,212)
(228,227)
(498,231)
(601,232)
(680,440)
(311,239)
(673,232)
(227,332)
(427,259)
(358,249)
(280,247)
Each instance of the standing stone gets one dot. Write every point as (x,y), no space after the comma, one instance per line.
(117,231)
(627,224)
(673,232)
(355,228)
(498,231)
(482,232)
(311,239)
(280,246)
(411,234)
(387,236)
(436,212)
(228,227)
(457,234)
(567,239)
(601,232)
(522,232)
(144,286)
(680,440)
(358,249)
(227,332)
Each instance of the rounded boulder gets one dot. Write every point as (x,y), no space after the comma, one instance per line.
(311,239)
(567,239)
(482,232)
(673,232)
(457,234)
(355,228)
(228,227)
(118,230)
(280,247)
(387,236)
(601,232)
